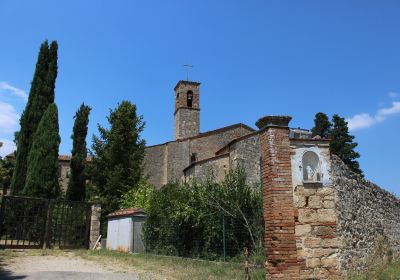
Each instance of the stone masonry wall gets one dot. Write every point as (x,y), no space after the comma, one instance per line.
(186,119)
(315,231)
(177,160)
(181,94)
(154,164)
(94,225)
(366,214)
(216,167)
(165,163)
(186,123)
(246,153)
(64,171)
(206,147)
(316,222)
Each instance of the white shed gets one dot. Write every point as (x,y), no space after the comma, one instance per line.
(124,230)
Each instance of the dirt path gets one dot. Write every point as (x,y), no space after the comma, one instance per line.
(64,266)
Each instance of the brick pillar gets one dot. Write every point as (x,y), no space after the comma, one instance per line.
(279,211)
(94,225)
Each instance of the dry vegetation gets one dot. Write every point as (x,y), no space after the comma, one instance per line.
(150,266)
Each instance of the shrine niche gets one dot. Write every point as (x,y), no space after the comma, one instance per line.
(311,168)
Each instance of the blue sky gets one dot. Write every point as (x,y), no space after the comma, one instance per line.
(253,58)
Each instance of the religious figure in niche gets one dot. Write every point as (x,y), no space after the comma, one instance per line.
(311,167)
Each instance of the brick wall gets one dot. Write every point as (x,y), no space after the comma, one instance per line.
(279,211)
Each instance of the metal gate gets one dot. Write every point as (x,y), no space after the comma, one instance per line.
(27,222)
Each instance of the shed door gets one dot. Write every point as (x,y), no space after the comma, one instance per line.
(138,245)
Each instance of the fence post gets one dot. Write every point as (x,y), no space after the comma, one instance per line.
(94,224)
(246,263)
(223,236)
(47,229)
(3,204)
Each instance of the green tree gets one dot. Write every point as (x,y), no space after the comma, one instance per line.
(41,178)
(6,170)
(189,219)
(342,144)
(41,95)
(322,125)
(117,155)
(138,197)
(76,185)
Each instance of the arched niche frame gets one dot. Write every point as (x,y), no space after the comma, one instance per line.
(311,166)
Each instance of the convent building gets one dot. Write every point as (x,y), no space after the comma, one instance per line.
(196,154)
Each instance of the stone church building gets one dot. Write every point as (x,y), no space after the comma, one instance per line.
(195,154)
(321,219)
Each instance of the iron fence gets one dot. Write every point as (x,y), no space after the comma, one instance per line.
(27,222)
(228,240)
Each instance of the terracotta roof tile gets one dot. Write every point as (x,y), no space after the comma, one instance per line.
(60,157)
(208,133)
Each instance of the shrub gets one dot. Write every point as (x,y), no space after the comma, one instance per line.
(193,219)
(138,197)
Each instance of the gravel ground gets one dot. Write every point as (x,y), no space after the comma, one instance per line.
(59,267)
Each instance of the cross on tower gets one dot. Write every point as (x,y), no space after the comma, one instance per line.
(187,68)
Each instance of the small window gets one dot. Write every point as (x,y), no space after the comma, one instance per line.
(177,95)
(193,158)
(190,99)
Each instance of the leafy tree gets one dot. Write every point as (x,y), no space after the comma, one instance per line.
(41,95)
(41,178)
(138,197)
(117,156)
(6,170)
(322,125)
(342,144)
(190,219)
(76,185)
(238,202)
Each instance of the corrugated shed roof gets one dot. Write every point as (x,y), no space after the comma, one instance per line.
(129,212)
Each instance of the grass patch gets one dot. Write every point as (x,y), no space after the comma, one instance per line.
(148,266)
(166,267)
(386,272)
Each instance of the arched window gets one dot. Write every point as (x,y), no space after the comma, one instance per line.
(311,167)
(190,99)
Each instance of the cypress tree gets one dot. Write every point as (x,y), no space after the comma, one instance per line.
(40,96)
(41,177)
(322,125)
(76,184)
(342,144)
(118,154)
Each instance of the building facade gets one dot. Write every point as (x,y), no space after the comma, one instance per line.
(198,155)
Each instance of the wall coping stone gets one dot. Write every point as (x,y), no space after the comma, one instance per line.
(268,121)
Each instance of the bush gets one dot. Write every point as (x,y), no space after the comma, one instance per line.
(138,197)
(190,219)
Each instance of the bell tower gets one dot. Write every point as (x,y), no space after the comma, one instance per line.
(187,109)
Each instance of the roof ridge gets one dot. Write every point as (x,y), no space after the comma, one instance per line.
(206,133)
